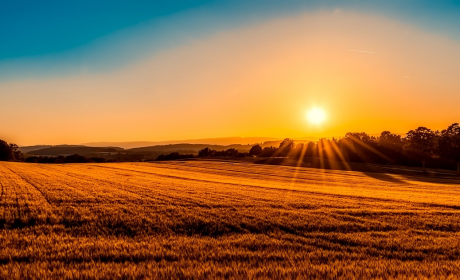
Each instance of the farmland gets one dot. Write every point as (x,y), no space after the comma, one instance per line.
(204,219)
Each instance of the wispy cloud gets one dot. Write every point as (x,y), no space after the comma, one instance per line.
(360,51)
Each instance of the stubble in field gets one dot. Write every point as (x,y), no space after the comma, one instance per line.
(201,219)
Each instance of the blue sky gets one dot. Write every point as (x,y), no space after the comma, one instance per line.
(42,38)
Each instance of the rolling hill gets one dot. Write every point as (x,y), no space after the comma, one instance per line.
(27,149)
(70,150)
(224,141)
(188,148)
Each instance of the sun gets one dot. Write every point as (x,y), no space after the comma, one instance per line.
(316,116)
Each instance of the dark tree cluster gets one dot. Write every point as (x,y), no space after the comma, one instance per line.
(269,152)
(173,156)
(10,152)
(421,146)
(64,159)
(206,152)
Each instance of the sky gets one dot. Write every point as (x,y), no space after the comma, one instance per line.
(86,71)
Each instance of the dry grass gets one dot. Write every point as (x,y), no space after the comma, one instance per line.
(224,220)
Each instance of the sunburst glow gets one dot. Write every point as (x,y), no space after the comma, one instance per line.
(316,116)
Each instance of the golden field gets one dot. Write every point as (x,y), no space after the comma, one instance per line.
(209,219)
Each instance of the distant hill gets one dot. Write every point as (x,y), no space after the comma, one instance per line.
(243,144)
(210,141)
(158,149)
(188,148)
(70,150)
(27,149)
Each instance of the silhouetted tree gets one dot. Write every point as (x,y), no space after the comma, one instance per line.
(420,144)
(231,152)
(364,148)
(311,148)
(298,151)
(285,147)
(346,147)
(449,144)
(320,148)
(206,152)
(256,150)
(5,151)
(10,152)
(391,141)
(268,152)
(361,136)
(392,146)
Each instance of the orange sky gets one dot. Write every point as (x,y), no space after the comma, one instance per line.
(368,73)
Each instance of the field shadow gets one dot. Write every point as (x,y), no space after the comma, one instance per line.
(433,178)
(384,177)
(414,174)
(379,172)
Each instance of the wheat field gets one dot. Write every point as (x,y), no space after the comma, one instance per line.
(209,219)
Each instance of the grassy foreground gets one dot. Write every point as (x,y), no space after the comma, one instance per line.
(202,219)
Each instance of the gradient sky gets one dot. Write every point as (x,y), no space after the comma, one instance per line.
(82,71)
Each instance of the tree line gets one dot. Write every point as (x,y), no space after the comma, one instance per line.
(421,146)
(65,159)
(206,152)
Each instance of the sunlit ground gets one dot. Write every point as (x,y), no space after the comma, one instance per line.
(223,220)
